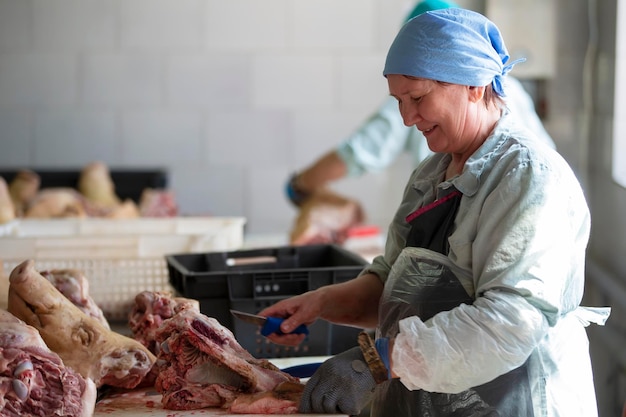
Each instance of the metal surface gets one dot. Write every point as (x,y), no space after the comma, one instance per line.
(268,325)
(249,318)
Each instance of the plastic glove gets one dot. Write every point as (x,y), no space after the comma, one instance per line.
(325,217)
(295,194)
(343,384)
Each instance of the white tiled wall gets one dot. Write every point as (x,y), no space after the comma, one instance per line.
(229,96)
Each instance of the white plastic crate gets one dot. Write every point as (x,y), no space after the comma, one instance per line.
(120,258)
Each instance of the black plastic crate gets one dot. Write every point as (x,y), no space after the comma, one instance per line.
(250,280)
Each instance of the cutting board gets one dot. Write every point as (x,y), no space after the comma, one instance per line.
(147,401)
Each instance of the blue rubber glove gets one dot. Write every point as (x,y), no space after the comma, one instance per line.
(295,195)
(342,385)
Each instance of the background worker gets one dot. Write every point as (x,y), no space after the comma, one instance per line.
(325,216)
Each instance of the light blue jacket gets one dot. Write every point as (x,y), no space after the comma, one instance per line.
(518,248)
(383,137)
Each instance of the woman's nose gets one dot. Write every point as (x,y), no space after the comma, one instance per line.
(409,114)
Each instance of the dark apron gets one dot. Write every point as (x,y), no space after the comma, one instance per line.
(424,289)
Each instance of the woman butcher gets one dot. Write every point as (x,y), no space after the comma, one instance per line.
(476,300)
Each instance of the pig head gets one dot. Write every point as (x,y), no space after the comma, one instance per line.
(82,342)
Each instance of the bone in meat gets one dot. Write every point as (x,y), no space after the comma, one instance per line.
(202,365)
(33,379)
(81,341)
(149,311)
(73,284)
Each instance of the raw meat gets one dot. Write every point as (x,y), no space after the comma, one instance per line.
(56,202)
(23,189)
(283,399)
(75,287)
(202,365)
(7,208)
(157,203)
(4,288)
(96,185)
(325,217)
(108,358)
(33,379)
(149,311)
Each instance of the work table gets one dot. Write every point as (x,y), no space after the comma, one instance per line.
(147,401)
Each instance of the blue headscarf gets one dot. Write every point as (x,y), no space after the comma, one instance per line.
(452,45)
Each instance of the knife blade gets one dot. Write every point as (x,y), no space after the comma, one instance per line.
(303,371)
(268,325)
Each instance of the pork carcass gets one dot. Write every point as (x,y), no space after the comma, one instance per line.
(56,203)
(7,207)
(96,185)
(33,379)
(202,365)
(23,189)
(4,288)
(82,342)
(150,310)
(73,284)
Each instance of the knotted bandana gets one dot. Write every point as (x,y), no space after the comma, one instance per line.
(452,45)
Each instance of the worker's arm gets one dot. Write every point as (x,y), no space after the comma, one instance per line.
(328,168)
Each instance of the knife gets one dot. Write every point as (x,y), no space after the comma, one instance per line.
(268,325)
(303,371)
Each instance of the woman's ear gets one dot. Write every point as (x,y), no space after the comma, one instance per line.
(476,93)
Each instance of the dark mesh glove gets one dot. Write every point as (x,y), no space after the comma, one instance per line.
(343,384)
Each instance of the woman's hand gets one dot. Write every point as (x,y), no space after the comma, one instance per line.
(350,303)
(297,310)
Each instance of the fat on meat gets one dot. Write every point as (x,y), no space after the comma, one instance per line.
(202,365)
(73,284)
(82,342)
(34,380)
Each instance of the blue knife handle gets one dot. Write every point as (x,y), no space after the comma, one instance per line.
(272,325)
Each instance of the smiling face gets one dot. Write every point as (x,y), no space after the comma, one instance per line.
(452,117)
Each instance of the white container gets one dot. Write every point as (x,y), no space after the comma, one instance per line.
(119,257)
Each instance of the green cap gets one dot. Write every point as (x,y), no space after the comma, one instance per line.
(428,5)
